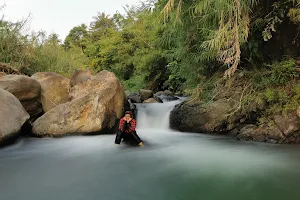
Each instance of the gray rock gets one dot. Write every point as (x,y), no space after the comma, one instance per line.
(158,99)
(134,98)
(167,98)
(151,100)
(263,133)
(166,93)
(12,117)
(27,90)
(288,124)
(248,132)
(194,117)
(234,132)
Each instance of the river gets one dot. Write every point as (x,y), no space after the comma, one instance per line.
(171,166)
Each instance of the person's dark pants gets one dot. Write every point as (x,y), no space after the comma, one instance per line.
(132,137)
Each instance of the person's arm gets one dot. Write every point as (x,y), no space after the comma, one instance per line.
(121,125)
(132,126)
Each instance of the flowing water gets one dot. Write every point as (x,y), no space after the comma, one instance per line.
(171,166)
(155,115)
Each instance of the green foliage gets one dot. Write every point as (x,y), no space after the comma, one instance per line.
(77,37)
(282,72)
(135,83)
(13,44)
(270,95)
(278,87)
(279,73)
(184,51)
(224,28)
(175,78)
(206,36)
(273,19)
(37,52)
(53,58)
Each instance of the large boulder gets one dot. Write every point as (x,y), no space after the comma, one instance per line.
(55,89)
(195,117)
(145,94)
(12,117)
(27,90)
(96,105)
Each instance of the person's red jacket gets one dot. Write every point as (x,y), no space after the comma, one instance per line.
(132,125)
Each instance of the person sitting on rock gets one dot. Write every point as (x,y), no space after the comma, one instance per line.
(127,130)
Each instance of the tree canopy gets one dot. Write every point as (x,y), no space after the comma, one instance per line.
(165,44)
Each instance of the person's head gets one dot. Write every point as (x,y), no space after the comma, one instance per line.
(128,115)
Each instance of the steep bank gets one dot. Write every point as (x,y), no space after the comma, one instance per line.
(261,106)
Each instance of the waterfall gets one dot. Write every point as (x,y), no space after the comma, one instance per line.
(155,115)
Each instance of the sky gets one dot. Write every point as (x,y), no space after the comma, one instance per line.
(60,16)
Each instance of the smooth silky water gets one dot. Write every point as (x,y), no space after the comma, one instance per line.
(171,166)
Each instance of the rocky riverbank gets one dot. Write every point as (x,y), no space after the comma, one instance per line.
(194,117)
(57,106)
(54,106)
(240,110)
(88,103)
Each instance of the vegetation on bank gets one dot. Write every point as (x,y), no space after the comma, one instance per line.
(200,48)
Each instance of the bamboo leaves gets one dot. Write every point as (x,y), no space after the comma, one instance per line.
(224,25)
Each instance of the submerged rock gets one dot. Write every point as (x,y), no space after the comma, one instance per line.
(27,90)
(96,104)
(12,117)
(151,100)
(158,99)
(55,89)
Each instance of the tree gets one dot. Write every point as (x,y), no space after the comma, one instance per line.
(101,25)
(53,39)
(224,27)
(77,36)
